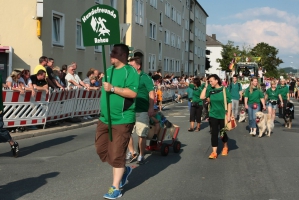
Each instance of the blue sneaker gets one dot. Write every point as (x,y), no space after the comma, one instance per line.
(112,193)
(124,179)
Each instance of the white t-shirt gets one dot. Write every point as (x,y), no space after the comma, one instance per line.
(74,77)
(21,80)
(13,83)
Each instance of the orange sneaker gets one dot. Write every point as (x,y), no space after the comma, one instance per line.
(213,155)
(224,151)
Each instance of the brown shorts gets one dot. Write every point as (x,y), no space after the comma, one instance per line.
(159,103)
(113,152)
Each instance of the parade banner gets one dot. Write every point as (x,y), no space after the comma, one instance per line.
(100,27)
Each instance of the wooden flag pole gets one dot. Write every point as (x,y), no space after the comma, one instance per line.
(107,93)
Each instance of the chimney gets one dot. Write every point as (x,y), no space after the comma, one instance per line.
(214,36)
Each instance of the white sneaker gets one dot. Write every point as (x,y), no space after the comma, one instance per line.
(253,132)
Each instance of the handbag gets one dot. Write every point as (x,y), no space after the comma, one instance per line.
(233,123)
(194,104)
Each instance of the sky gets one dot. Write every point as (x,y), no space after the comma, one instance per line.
(246,23)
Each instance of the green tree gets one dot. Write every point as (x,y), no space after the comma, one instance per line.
(269,59)
(227,54)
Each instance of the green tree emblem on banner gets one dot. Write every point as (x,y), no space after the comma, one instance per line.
(100,26)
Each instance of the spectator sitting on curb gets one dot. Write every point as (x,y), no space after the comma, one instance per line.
(178,97)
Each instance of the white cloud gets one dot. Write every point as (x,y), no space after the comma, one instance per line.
(269,25)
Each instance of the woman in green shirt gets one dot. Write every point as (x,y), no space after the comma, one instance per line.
(283,90)
(196,105)
(217,113)
(253,97)
(271,97)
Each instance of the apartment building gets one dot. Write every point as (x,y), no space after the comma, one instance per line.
(168,35)
(215,48)
(33,28)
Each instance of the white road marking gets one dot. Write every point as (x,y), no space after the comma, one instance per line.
(179,116)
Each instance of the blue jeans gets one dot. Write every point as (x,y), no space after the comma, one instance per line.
(251,115)
(189,105)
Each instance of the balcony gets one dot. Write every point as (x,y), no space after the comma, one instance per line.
(191,36)
(190,56)
(191,16)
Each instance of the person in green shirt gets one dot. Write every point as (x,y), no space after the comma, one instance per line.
(271,97)
(283,90)
(144,110)
(196,105)
(252,98)
(121,86)
(235,90)
(205,104)
(215,96)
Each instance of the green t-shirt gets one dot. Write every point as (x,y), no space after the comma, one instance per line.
(122,110)
(255,96)
(217,108)
(145,86)
(234,89)
(189,92)
(272,94)
(196,94)
(283,91)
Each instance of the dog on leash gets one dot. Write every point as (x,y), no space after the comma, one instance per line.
(243,115)
(289,115)
(265,123)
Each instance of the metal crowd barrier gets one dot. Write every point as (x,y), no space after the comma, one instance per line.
(25,110)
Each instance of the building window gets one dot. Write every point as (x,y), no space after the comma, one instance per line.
(167,8)
(113,3)
(98,49)
(153,3)
(186,46)
(79,35)
(139,12)
(99,1)
(179,42)
(165,67)
(166,37)
(153,30)
(161,18)
(57,28)
(160,50)
(152,62)
(187,24)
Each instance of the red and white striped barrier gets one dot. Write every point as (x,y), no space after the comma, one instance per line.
(61,104)
(23,109)
(87,103)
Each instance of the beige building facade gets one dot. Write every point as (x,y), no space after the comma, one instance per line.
(168,35)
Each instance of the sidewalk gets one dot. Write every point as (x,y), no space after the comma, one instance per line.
(63,127)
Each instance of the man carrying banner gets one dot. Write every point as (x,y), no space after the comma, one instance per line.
(121,86)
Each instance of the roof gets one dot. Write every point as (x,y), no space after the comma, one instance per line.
(201,8)
(210,41)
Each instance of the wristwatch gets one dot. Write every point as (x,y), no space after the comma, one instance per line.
(112,89)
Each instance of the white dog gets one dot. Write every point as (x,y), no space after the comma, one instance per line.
(243,115)
(265,123)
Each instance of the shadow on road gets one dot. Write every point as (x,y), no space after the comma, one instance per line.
(43,145)
(17,189)
(155,164)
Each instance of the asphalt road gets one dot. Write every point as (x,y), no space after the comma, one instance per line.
(64,165)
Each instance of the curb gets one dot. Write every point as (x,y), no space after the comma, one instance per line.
(35,133)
